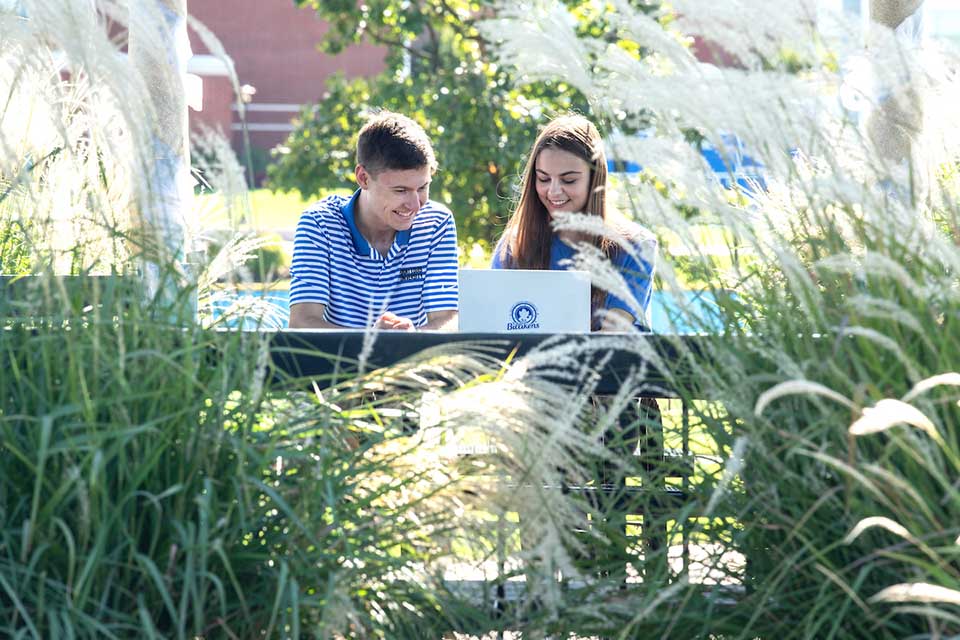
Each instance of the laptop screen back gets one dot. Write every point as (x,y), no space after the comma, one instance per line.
(527,301)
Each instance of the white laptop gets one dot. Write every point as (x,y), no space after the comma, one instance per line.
(524,301)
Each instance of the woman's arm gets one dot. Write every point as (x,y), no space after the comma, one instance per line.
(636,266)
(617,320)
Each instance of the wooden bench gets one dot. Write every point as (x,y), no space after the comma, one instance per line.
(329,357)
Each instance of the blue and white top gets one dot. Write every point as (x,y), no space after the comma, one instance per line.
(334,265)
(637,273)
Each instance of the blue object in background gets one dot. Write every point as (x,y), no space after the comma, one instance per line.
(720,164)
(731,166)
(623,166)
(669,317)
(268,310)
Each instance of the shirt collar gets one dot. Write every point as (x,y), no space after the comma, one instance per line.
(360,244)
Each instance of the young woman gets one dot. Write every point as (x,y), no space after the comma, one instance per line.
(567,173)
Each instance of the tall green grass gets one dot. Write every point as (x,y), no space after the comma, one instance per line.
(155,486)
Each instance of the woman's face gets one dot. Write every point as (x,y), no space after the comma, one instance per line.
(563,180)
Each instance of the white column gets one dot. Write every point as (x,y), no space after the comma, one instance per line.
(159,51)
(892,13)
(896,125)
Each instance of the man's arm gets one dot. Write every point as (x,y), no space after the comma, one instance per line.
(309,315)
(440,288)
(441,321)
(310,274)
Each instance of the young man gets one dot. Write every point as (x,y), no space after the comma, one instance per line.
(386,256)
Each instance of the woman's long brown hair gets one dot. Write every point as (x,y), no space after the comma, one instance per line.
(528,234)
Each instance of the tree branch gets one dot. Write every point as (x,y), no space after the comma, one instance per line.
(457,23)
(379,38)
(434,48)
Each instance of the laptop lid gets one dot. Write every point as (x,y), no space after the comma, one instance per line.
(528,301)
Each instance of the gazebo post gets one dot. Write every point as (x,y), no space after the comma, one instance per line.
(896,125)
(892,13)
(168,201)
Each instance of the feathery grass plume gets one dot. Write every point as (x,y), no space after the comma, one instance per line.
(944,379)
(590,259)
(220,227)
(550,32)
(533,446)
(731,469)
(889,413)
(51,134)
(213,157)
(673,161)
(539,438)
(885,310)
(878,521)
(798,387)
(770,30)
(885,343)
(917,592)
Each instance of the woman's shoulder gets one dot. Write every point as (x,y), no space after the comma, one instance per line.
(501,252)
(636,249)
(507,234)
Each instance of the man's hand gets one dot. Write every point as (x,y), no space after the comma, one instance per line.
(392,322)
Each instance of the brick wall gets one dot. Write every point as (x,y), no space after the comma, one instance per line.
(273,45)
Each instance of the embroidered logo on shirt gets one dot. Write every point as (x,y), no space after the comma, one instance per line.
(407,275)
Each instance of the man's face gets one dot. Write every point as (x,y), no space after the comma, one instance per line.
(394,196)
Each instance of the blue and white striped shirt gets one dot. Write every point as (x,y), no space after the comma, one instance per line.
(335,266)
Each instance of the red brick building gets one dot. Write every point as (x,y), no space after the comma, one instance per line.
(273,46)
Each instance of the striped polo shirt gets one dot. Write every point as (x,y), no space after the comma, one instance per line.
(334,265)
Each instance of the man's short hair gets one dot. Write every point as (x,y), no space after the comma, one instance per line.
(393,142)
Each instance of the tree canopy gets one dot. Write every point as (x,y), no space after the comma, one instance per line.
(439,72)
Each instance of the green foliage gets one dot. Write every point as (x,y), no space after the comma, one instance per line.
(152,488)
(270,261)
(482,119)
(809,481)
(14,252)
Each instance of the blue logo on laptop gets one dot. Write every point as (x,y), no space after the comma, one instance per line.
(524,316)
